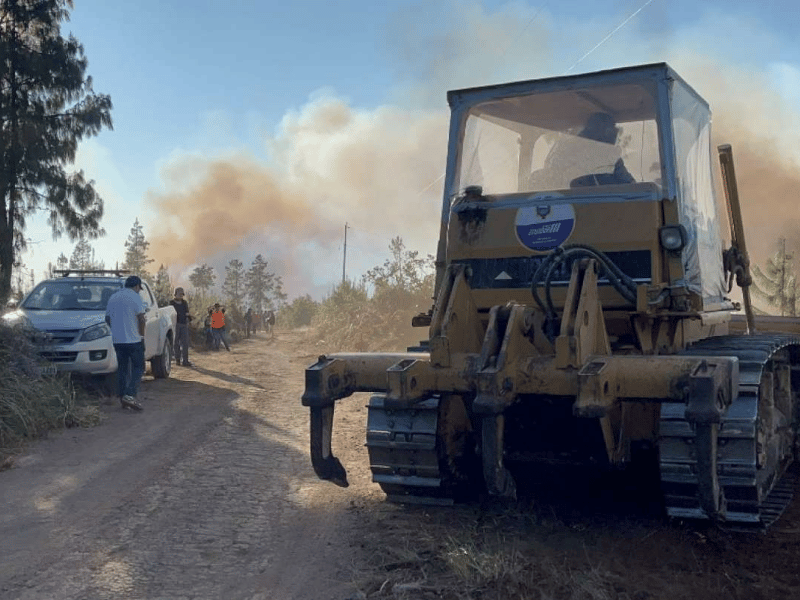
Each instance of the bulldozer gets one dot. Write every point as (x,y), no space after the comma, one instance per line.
(582,314)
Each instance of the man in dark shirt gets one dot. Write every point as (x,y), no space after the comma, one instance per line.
(248,322)
(182,333)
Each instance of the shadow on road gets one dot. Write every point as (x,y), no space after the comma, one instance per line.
(228,378)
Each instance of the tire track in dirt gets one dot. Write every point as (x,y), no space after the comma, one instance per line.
(221,502)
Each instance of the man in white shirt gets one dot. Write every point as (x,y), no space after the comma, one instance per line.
(125,315)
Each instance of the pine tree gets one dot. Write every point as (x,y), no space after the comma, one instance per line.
(62,262)
(136,259)
(404,280)
(163,287)
(259,284)
(47,106)
(83,257)
(279,297)
(405,270)
(233,286)
(203,279)
(777,283)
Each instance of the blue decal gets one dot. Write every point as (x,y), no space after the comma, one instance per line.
(545,226)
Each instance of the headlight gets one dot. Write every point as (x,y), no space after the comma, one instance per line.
(15,319)
(95,332)
(673,237)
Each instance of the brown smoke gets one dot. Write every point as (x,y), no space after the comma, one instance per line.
(377,171)
(231,200)
(380,170)
(762,129)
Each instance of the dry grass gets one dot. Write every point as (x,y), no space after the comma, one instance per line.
(352,322)
(460,553)
(33,402)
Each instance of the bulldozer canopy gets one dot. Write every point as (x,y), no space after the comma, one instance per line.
(619,127)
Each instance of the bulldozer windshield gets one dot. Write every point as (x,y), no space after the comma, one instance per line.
(562,139)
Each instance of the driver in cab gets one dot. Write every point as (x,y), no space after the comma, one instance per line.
(588,159)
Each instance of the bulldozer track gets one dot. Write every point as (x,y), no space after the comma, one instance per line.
(406,454)
(756,493)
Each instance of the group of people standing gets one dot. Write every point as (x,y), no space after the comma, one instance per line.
(215,326)
(253,321)
(125,316)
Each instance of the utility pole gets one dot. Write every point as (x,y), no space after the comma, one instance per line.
(344,256)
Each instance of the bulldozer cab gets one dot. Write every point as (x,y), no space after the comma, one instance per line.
(618,160)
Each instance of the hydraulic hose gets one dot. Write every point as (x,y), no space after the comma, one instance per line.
(547,268)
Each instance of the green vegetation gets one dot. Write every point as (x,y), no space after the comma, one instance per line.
(233,287)
(371,314)
(47,106)
(83,257)
(352,319)
(298,313)
(163,287)
(136,259)
(264,289)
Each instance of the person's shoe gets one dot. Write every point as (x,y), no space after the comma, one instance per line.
(188,364)
(130,402)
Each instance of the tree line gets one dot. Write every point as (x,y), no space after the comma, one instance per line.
(256,287)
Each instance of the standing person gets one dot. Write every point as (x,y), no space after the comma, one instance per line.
(125,315)
(225,338)
(207,326)
(218,327)
(182,331)
(269,322)
(248,321)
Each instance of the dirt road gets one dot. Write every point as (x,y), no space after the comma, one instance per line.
(209,494)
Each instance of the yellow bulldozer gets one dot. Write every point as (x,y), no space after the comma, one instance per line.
(582,312)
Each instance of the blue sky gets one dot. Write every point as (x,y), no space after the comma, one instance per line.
(245,127)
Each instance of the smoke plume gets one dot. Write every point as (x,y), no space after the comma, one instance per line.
(377,171)
(380,170)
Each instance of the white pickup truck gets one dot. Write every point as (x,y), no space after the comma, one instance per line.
(68,314)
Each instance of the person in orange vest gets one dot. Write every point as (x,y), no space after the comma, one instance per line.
(218,327)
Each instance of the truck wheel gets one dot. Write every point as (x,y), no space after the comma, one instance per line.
(161,365)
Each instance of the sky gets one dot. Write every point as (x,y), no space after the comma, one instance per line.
(246,127)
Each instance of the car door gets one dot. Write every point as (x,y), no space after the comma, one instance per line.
(151,328)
